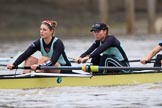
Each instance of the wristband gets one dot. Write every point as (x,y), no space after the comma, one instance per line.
(47,63)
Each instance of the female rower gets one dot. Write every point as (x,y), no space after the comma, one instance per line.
(106,50)
(153,52)
(51,48)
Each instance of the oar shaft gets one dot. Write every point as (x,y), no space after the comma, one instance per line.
(151,61)
(62,67)
(93,68)
(26,67)
(130,68)
(52,67)
(3,65)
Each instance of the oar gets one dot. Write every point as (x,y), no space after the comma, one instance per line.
(56,68)
(53,67)
(3,65)
(73,61)
(88,68)
(151,61)
(97,68)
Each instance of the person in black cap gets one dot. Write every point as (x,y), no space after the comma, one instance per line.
(106,50)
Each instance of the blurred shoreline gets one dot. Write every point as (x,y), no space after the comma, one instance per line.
(21,19)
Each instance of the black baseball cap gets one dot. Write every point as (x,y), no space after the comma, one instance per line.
(98,27)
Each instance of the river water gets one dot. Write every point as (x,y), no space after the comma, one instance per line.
(137,96)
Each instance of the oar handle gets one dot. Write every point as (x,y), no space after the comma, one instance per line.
(3,65)
(26,67)
(72,61)
(151,61)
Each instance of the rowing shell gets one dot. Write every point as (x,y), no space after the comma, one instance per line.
(45,80)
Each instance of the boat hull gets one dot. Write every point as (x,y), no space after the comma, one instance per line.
(98,80)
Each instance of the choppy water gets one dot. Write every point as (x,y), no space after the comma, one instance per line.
(137,96)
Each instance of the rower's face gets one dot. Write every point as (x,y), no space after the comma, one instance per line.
(45,31)
(100,35)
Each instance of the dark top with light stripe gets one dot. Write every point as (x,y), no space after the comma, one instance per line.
(58,48)
(109,42)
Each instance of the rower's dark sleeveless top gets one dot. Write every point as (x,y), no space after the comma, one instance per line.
(110,46)
(57,46)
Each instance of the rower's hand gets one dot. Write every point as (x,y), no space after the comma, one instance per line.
(144,61)
(84,59)
(78,60)
(34,67)
(10,66)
